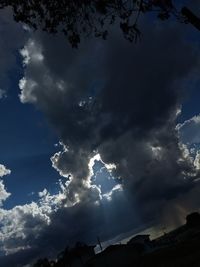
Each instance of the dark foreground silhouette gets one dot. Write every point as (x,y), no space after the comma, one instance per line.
(78,18)
(178,248)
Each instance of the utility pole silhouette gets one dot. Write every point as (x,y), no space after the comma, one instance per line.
(99,243)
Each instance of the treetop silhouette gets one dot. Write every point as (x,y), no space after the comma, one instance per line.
(78,18)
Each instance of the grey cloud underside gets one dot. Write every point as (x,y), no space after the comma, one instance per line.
(68,225)
(190,130)
(113,98)
(120,100)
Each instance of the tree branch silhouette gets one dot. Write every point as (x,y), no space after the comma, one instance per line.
(80,18)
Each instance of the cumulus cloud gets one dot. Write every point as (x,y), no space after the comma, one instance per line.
(4,171)
(19,224)
(189,130)
(23,223)
(3,192)
(117,101)
(21,228)
(25,229)
(121,105)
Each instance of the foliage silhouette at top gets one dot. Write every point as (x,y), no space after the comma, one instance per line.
(77,18)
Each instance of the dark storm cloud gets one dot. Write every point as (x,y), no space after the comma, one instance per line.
(120,100)
(107,92)
(77,223)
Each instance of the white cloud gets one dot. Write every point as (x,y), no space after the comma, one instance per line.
(4,171)
(27,86)
(31,53)
(22,224)
(19,224)
(189,130)
(189,134)
(3,192)
(115,189)
(197,160)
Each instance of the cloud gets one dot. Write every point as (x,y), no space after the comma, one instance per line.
(189,130)
(117,101)
(23,223)
(121,105)
(3,192)
(4,171)
(19,225)
(25,229)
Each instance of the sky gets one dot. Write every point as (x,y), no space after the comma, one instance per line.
(96,141)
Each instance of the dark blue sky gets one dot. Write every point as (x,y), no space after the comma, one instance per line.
(191,103)
(26,144)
